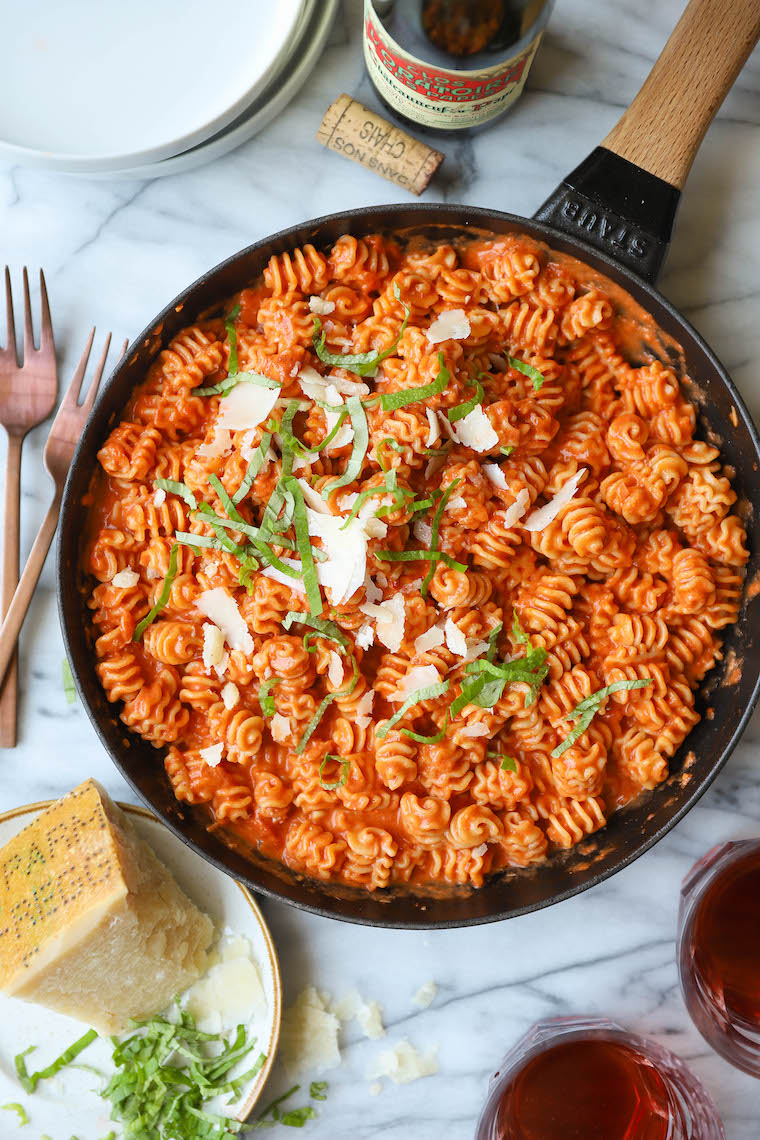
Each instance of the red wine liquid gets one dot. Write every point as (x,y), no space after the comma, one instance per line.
(725,939)
(585,1090)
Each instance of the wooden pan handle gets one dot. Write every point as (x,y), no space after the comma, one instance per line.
(662,129)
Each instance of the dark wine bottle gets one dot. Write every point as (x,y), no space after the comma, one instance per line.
(451,65)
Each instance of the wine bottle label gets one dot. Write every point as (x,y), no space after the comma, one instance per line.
(359,134)
(434,96)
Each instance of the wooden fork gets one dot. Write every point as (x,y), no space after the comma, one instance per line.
(59,450)
(27,397)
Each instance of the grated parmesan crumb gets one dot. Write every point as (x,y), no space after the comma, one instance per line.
(212,755)
(404,1064)
(125,579)
(159,498)
(425,995)
(230,695)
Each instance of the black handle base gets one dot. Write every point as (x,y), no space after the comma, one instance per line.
(618,208)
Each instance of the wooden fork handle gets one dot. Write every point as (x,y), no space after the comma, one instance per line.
(662,129)
(9,688)
(14,618)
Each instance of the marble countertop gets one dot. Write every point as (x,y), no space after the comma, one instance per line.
(115,252)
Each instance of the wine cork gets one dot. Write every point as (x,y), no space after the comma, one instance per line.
(350,129)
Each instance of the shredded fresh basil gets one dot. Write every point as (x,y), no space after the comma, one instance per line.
(428,693)
(266,700)
(360,444)
(322,626)
(291,440)
(19,1110)
(248,566)
(294,1118)
(527,370)
(29,1081)
(459,411)
(163,597)
(318,1090)
(507,450)
(420,556)
(344,771)
(392,401)
(226,385)
(434,530)
(323,705)
(180,489)
(508,763)
(232,363)
(303,545)
(69,688)
(254,466)
(585,711)
(393,444)
(361,363)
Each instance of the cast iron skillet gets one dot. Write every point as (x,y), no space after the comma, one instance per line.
(614,212)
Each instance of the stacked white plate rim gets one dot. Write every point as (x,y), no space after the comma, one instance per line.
(152,87)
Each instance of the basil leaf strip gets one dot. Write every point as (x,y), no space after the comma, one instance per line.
(266,700)
(392,401)
(163,598)
(69,688)
(225,386)
(420,556)
(508,763)
(428,693)
(461,410)
(585,711)
(303,545)
(254,466)
(180,489)
(436,526)
(29,1081)
(361,443)
(324,703)
(527,370)
(232,363)
(345,770)
(322,626)
(361,363)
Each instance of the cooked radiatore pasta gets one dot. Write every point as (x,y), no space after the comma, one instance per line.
(498,641)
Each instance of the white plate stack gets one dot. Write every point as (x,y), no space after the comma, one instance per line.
(151,87)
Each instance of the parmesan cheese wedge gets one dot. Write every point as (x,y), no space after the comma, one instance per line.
(91,923)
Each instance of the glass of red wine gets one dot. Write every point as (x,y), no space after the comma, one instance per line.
(719,950)
(586,1078)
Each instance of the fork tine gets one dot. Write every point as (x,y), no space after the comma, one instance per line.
(71,394)
(10,340)
(87,405)
(28,329)
(47,343)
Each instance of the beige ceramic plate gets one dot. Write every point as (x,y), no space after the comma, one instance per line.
(68,1104)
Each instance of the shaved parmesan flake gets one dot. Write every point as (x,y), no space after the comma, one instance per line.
(403,1064)
(423,532)
(220,608)
(430,639)
(313,498)
(434,433)
(321,307)
(213,646)
(373,593)
(546,514)
(474,430)
(159,498)
(280,728)
(309,1035)
(364,708)
(230,695)
(346,566)
(220,445)
(151,574)
(480,851)
(455,639)
(210,568)
(246,406)
(420,677)
(125,579)
(295,584)
(475,649)
(495,475)
(370,1018)
(335,669)
(448,427)
(212,755)
(452,325)
(425,995)
(474,730)
(221,667)
(365,636)
(312,384)
(456,503)
(390,618)
(516,510)
(229,992)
